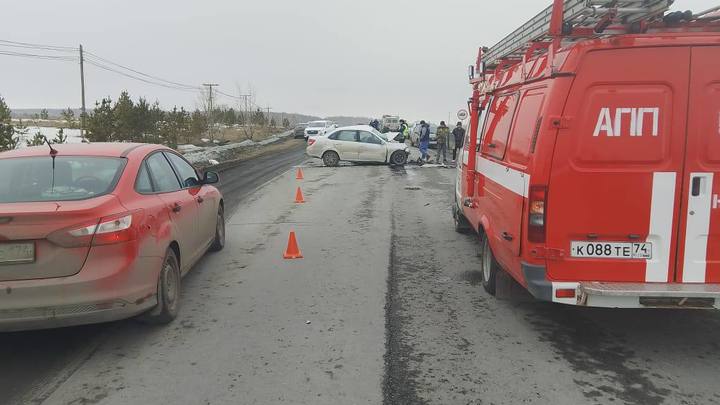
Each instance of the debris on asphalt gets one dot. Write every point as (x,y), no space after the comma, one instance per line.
(307,322)
(413,188)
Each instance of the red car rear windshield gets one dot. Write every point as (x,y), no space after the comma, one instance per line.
(32,179)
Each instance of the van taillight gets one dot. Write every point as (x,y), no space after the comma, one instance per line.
(105,231)
(536,214)
(311,141)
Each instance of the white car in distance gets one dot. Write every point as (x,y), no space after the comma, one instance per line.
(316,128)
(360,143)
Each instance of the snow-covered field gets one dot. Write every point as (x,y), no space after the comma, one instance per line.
(194,154)
(73,135)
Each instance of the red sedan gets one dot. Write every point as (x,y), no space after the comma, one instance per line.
(99,232)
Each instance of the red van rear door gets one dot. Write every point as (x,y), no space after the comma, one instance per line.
(614,188)
(698,258)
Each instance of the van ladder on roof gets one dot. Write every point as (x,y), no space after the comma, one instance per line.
(578,16)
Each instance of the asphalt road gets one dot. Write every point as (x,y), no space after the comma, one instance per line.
(385,307)
(33,364)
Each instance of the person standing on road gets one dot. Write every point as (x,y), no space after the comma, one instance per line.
(459,136)
(424,141)
(403,129)
(443,133)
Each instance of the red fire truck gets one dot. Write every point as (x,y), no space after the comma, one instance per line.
(591,169)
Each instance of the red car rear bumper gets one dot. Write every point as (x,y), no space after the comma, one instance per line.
(107,288)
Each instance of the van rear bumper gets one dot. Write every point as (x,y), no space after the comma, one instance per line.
(648,295)
(622,295)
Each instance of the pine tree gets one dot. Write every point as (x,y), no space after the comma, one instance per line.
(259,118)
(69,117)
(124,119)
(37,140)
(145,126)
(230,118)
(157,120)
(177,127)
(8,140)
(60,137)
(44,114)
(198,124)
(21,130)
(99,123)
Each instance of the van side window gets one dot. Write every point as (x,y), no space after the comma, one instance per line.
(482,122)
(526,124)
(497,125)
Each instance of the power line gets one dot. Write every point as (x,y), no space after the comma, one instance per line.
(107,61)
(38,56)
(131,76)
(94,60)
(242,97)
(38,46)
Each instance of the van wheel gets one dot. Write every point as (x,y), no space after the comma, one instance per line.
(168,292)
(219,242)
(331,159)
(399,158)
(490,266)
(461,223)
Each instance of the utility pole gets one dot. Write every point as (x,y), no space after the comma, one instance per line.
(82,92)
(211,125)
(268,108)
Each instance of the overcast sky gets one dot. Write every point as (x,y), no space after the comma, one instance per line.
(320,57)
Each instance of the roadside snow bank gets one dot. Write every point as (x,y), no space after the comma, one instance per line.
(203,155)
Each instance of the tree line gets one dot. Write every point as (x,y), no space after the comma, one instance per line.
(126,120)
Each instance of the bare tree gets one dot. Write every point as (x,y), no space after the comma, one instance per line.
(203,105)
(248,110)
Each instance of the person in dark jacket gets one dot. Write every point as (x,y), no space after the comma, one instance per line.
(424,140)
(459,137)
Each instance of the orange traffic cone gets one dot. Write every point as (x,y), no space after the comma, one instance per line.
(293,251)
(299,196)
(299,175)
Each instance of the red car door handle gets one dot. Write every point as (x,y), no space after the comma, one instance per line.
(177,207)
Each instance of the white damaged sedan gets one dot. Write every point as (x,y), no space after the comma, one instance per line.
(360,143)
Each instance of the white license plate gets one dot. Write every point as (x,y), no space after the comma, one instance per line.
(611,250)
(17,253)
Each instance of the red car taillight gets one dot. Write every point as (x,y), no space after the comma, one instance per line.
(311,141)
(105,231)
(536,214)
